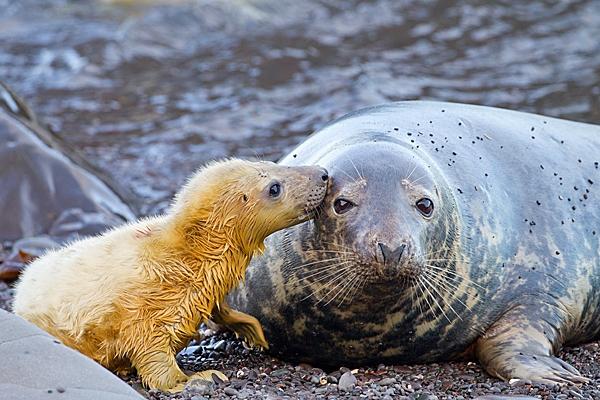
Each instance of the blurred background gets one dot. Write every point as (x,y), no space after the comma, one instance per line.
(151,90)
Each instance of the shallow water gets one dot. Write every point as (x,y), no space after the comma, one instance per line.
(151,91)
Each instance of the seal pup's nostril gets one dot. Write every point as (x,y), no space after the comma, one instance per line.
(324,175)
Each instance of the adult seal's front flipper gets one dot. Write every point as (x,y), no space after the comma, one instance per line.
(519,345)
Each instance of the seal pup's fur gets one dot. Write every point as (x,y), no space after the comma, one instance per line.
(135,296)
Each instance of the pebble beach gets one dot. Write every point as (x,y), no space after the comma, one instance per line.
(257,375)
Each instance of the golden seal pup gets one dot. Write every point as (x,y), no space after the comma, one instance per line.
(135,296)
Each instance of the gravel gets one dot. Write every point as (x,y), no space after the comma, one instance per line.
(257,375)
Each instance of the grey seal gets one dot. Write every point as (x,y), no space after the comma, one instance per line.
(448,232)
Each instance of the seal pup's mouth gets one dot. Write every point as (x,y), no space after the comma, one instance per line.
(314,199)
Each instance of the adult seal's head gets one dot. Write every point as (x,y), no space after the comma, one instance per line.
(380,227)
(448,231)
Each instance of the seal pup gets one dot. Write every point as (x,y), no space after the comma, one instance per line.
(448,232)
(135,296)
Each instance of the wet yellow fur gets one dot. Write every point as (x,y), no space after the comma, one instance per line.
(135,296)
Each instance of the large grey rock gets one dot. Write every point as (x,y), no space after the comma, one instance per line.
(48,187)
(35,365)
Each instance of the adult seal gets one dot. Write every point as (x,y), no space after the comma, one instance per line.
(448,232)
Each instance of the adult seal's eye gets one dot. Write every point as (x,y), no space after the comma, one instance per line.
(341,206)
(275,190)
(425,206)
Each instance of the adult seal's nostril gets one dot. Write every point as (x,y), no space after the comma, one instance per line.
(391,257)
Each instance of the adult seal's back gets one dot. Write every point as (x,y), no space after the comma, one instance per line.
(448,232)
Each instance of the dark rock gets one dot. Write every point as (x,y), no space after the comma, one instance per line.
(280,372)
(386,381)
(229,391)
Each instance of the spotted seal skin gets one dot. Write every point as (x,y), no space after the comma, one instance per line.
(448,232)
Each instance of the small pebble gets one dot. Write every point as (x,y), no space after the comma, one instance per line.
(199,387)
(229,391)
(387,381)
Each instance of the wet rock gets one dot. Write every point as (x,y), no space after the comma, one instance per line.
(220,345)
(44,181)
(190,350)
(347,382)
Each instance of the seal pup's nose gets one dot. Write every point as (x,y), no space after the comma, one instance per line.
(323,176)
(391,257)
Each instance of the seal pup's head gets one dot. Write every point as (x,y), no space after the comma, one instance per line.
(247,201)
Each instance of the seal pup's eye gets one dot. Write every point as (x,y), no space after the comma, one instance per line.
(341,206)
(425,206)
(275,190)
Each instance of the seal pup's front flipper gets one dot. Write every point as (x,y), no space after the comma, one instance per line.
(521,346)
(159,370)
(242,324)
